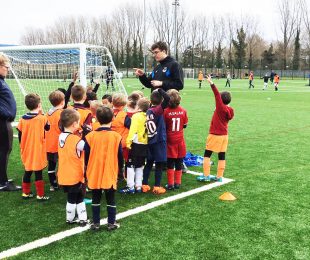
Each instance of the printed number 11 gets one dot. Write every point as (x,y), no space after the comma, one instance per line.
(176,124)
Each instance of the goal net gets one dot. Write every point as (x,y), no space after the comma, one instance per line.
(188,73)
(42,69)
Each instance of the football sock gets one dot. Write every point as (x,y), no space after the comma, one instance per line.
(206,166)
(70,210)
(170,176)
(52,178)
(26,186)
(81,211)
(220,168)
(158,174)
(146,172)
(139,176)
(40,187)
(130,177)
(111,213)
(96,213)
(178,177)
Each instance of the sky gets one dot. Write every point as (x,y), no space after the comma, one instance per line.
(17,15)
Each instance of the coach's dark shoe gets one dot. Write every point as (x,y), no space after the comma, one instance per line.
(10,186)
(114,226)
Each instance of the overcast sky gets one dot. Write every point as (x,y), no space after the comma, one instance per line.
(16,15)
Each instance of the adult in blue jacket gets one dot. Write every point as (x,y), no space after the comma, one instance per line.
(7,115)
(168,74)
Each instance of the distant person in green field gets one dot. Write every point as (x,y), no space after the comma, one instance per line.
(7,116)
(217,140)
(272,76)
(228,79)
(251,78)
(276,81)
(265,78)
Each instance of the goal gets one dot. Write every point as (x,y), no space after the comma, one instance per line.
(42,69)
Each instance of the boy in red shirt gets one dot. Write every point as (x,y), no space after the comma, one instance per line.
(31,134)
(217,140)
(176,120)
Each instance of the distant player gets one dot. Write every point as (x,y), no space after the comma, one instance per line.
(272,76)
(200,78)
(71,167)
(31,134)
(228,79)
(176,120)
(105,159)
(251,78)
(109,77)
(217,140)
(57,99)
(265,78)
(276,81)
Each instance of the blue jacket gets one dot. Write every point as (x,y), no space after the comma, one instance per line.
(7,102)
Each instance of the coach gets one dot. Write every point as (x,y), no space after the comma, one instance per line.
(168,74)
(7,115)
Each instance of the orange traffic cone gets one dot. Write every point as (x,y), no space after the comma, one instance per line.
(227,196)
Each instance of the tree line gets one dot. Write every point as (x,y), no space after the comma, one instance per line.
(201,41)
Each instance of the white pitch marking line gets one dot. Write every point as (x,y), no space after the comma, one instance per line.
(61,235)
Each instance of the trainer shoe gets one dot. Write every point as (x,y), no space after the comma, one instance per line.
(83,223)
(42,198)
(70,222)
(169,187)
(95,226)
(10,186)
(27,195)
(138,189)
(177,186)
(145,188)
(54,188)
(204,178)
(114,226)
(127,190)
(159,190)
(219,179)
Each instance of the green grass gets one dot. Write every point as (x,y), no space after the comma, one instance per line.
(267,156)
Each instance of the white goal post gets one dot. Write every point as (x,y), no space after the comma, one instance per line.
(42,69)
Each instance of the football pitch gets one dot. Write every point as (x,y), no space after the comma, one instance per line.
(268,159)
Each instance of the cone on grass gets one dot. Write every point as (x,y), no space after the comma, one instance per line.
(227,196)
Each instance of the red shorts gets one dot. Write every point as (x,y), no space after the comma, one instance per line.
(176,150)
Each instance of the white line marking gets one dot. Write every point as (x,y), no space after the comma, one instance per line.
(61,235)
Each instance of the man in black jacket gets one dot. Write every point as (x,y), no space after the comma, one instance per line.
(168,74)
(7,115)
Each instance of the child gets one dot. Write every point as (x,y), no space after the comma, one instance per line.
(132,104)
(217,140)
(200,78)
(57,99)
(105,159)
(265,78)
(107,100)
(31,133)
(251,78)
(122,121)
(157,150)
(94,104)
(276,81)
(71,167)
(176,120)
(228,79)
(137,145)
(78,95)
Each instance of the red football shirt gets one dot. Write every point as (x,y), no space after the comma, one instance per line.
(175,119)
